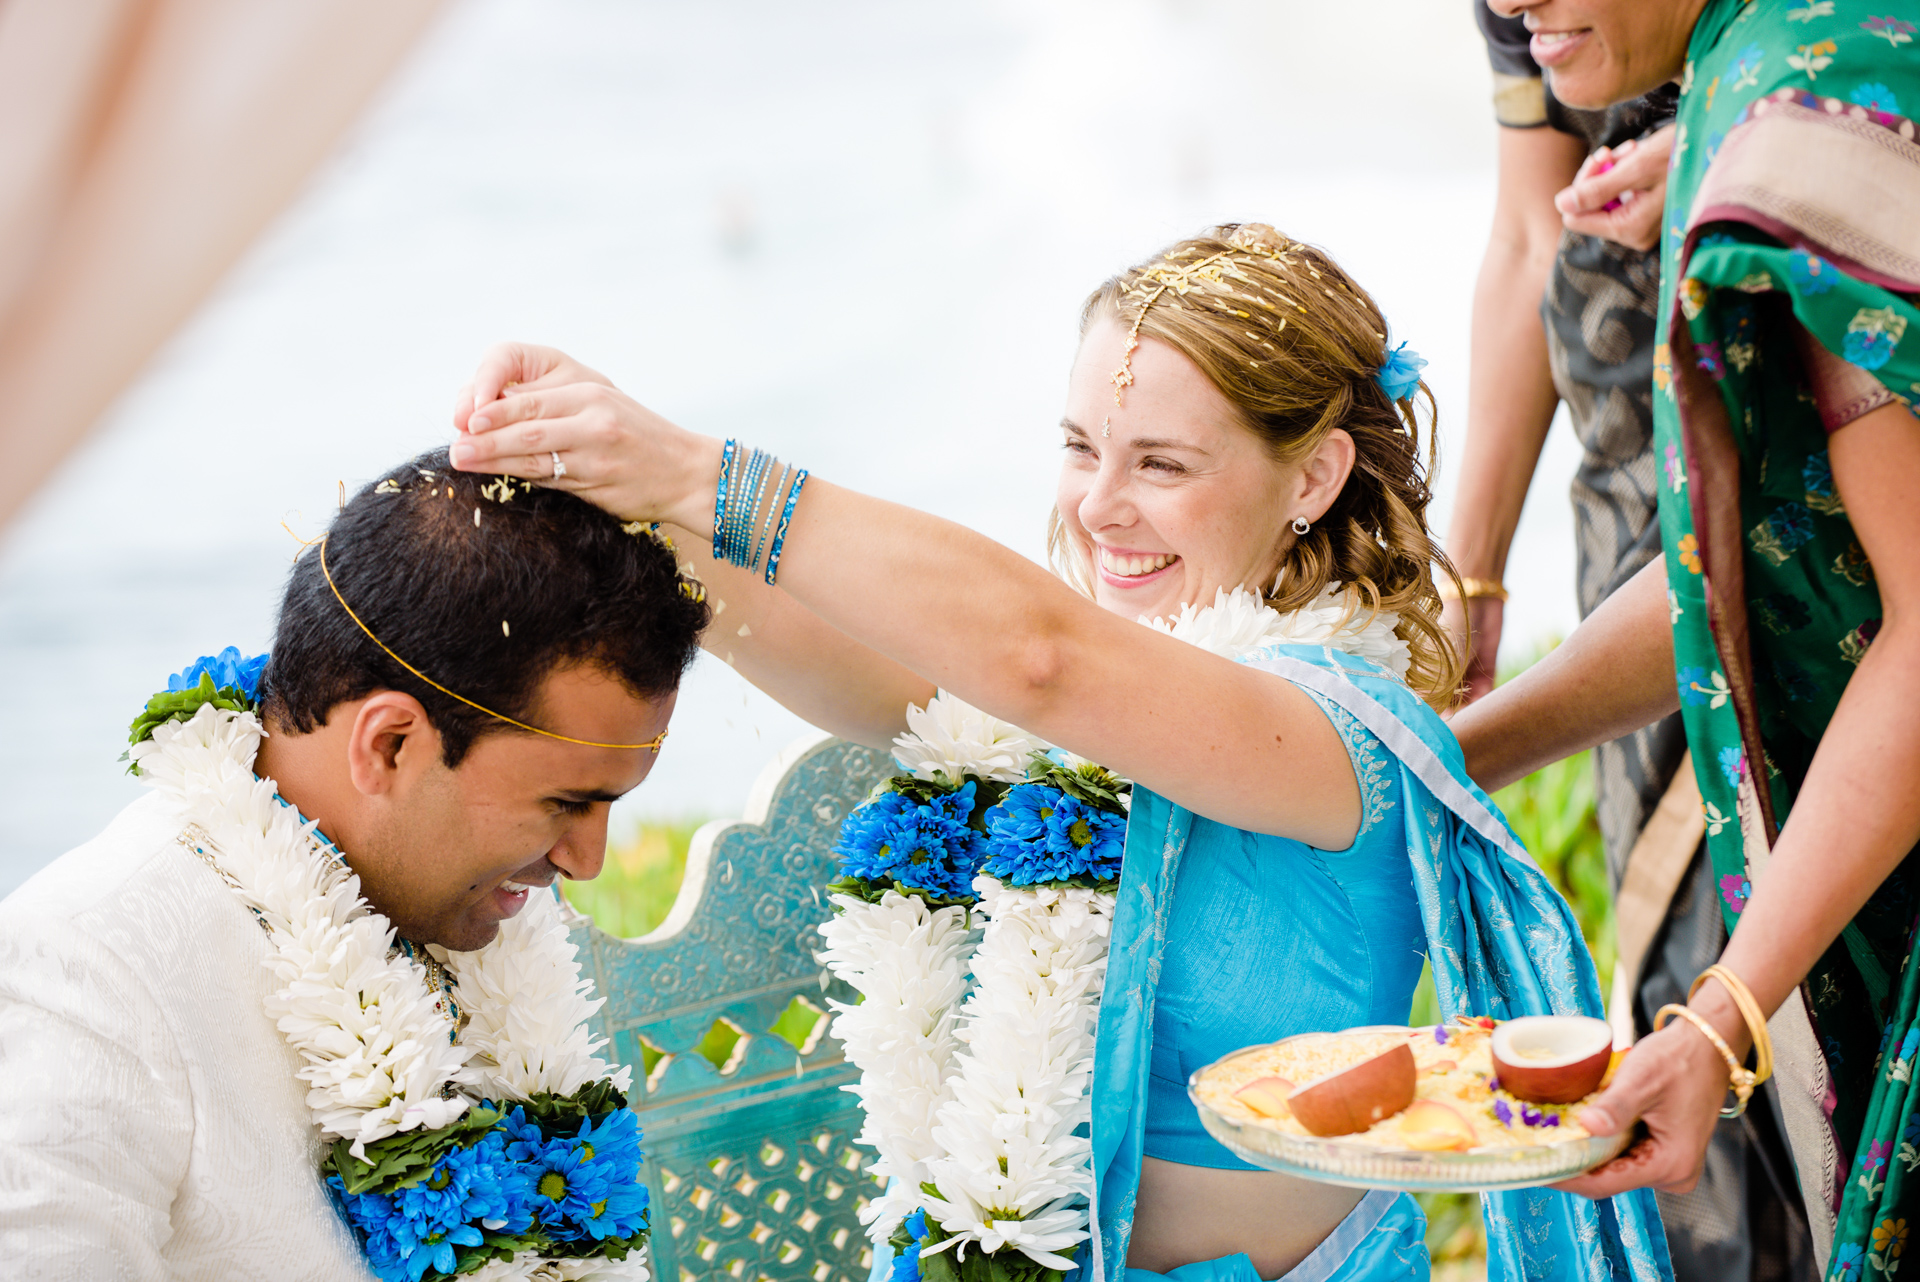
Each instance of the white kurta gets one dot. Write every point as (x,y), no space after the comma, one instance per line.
(151,1125)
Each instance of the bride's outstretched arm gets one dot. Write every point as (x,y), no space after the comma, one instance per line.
(1611,677)
(965,613)
(810,667)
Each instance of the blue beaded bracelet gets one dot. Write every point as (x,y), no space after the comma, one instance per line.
(740,524)
(720,499)
(780,535)
(764,528)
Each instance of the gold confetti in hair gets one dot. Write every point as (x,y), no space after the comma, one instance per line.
(1218,281)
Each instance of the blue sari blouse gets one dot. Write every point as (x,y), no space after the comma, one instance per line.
(1270,937)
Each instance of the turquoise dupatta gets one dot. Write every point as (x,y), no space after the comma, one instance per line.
(1501,939)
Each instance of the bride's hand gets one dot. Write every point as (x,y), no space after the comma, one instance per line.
(612,451)
(518,367)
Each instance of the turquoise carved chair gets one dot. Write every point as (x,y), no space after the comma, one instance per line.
(751,1163)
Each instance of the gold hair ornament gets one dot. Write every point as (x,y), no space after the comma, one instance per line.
(1214,270)
(652,745)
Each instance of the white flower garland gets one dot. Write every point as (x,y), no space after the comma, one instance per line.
(952,737)
(909,964)
(1013,1173)
(380,1055)
(1020,1089)
(1240,622)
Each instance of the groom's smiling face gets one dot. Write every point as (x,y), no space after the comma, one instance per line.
(449,853)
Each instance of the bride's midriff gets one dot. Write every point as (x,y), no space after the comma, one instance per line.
(1185,1214)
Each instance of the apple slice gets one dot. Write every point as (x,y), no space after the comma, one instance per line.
(1430,1126)
(1353,1099)
(1266,1096)
(1552,1059)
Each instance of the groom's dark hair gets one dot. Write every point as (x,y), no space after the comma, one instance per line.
(483,583)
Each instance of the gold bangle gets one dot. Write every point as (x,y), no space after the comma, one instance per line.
(1739,1080)
(1472,589)
(1749,1008)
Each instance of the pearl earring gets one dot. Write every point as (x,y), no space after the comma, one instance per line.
(1301,525)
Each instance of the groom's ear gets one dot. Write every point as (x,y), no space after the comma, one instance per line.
(391,740)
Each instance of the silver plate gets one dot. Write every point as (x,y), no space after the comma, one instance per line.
(1343,1161)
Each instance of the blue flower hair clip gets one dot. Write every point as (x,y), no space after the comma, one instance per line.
(1401,374)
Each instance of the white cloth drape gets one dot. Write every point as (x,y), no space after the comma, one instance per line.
(143,144)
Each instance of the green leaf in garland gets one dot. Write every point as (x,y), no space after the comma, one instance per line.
(1087,782)
(1006,1265)
(402,1160)
(871,892)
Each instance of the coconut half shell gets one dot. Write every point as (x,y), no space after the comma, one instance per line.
(1552,1059)
(1353,1099)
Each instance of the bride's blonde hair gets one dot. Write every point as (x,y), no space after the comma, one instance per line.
(1295,346)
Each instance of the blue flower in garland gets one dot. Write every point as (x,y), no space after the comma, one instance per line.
(614,1147)
(906,1265)
(521,1139)
(227,668)
(928,848)
(1040,834)
(587,1186)
(566,1184)
(415,1229)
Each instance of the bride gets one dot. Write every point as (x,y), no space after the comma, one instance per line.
(1301,833)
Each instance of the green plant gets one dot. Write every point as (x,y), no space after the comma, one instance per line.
(636,888)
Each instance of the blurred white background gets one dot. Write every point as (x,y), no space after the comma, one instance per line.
(856,233)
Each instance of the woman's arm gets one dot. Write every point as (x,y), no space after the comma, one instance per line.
(1856,817)
(1510,396)
(971,616)
(1611,677)
(811,668)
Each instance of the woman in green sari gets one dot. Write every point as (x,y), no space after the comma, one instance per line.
(1791,583)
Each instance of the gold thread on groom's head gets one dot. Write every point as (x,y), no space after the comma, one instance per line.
(652,745)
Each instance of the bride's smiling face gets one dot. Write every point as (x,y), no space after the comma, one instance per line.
(1176,497)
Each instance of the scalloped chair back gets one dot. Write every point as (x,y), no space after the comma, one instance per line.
(751,1165)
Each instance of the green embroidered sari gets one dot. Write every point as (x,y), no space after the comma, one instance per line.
(1793,213)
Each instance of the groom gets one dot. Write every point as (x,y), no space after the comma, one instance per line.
(151,1121)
